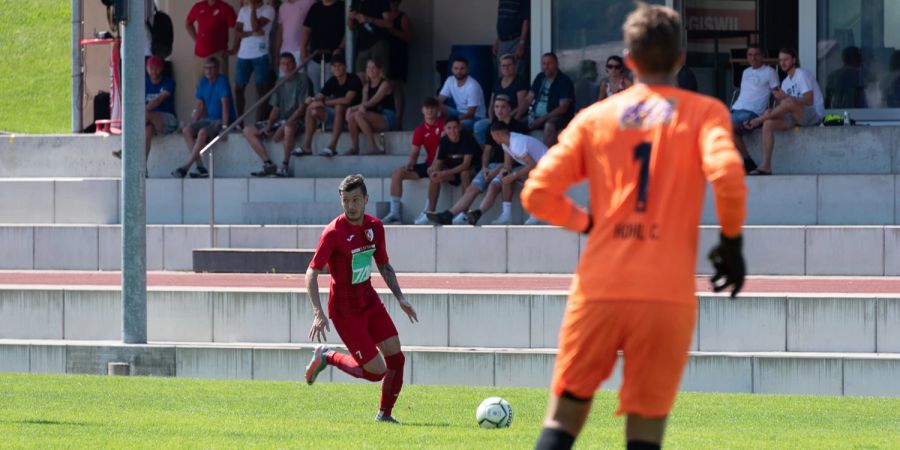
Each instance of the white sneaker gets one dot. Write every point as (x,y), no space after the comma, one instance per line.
(460,219)
(533,221)
(422,219)
(504,219)
(391,219)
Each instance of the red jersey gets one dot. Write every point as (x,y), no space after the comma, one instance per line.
(429,136)
(348,251)
(213,23)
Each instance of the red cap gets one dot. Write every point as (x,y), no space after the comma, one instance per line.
(155,61)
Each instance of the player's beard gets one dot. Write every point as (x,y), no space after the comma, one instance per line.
(353,216)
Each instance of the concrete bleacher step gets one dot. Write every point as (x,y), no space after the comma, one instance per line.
(252,260)
(763,373)
(769,250)
(753,323)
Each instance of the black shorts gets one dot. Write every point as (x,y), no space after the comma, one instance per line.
(421,169)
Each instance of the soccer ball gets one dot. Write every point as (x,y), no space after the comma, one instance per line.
(494,412)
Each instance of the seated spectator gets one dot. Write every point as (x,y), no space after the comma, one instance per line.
(800,103)
(466,93)
(400,36)
(288,107)
(552,98)
(323,32)
(758,82)
(159,104)
(251,43)
(427,135)
(375,113)
(214,18)
(514,88)
(586,86)
(369,20)
(617,80)
(456,160)
(521,148)
(212,114)
(342,91)
(492,160)
(845,87)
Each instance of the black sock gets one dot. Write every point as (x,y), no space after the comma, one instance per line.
(642,445)
(552,439)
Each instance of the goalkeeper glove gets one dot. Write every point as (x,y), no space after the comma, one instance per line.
(728,260)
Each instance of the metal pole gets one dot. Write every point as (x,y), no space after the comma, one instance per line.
(212,200)
(77,63)
(134,220)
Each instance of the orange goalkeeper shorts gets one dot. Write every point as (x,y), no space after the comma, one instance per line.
(654,338)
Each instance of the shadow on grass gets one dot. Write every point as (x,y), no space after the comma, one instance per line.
(426,424)
(47,422)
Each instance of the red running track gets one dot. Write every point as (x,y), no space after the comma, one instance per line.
(497,282)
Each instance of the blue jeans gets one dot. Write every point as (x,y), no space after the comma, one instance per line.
(467,123)
(738,117)
(481,129)
(258,66)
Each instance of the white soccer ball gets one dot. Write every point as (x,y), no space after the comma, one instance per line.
(494,412)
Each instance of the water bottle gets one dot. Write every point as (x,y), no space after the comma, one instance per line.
(846,119)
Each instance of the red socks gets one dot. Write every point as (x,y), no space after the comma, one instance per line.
(392,383)
(349,366)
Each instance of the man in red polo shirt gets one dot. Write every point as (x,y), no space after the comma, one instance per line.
(213,18)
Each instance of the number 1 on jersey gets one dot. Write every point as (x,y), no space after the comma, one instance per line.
(643,151)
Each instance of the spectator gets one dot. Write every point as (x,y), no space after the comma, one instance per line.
(466,93)
(213,19)
(687,80)
(513,18)
(288,108)
(427,135)
(845,87)
(552,98)
(212,113)
(375,113)
(511,86)
(757,83)
(159,101)
(292,15)
(456,160)
(616,80)
(492,160)
(800,103)
(323,32)
(370,19)
(400,35)
(251,43)
(341,92)
(586,86)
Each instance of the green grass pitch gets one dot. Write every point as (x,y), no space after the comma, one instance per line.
(46,411)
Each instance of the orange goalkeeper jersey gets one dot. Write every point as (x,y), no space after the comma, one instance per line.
(647,153)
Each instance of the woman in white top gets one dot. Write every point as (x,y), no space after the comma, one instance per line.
(617,81)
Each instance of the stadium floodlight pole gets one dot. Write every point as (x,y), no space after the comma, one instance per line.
(208,147)
(134,213)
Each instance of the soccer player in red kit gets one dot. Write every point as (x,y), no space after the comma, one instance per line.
(347,246)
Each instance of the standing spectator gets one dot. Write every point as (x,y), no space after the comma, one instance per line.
(757,84)
(458,155)
(800,103)
(400,35)
(342,91)
(513,18)
(492,160)
(323,32)
(251,42)
(159,104)
(427,135)
(370,19)
(288,108)
(846,87)
(213,19)
(374,114)
(292,15)
(466,93)
(552,98)
(511,86)
(212,113)
(616,80)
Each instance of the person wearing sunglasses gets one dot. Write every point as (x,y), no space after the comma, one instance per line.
(617,81)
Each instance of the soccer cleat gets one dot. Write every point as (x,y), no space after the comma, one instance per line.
(386,419)
(473,216)
(460,219)
(533,221)
(267,170)
(504,219)
(440,218)
(391,219)
(422,219)
(317,364)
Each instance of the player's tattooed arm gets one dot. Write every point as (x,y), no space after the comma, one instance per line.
(390,279)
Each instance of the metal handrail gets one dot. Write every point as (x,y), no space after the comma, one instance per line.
(208,147)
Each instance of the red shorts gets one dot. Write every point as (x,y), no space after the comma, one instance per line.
(653,337)
(360,332)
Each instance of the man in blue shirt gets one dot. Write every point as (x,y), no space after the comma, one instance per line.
(552,99)
(212,114)
(159,101)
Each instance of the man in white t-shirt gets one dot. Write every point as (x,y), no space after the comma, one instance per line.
(758,82)
(517,147)
(468,98)
(254,22)
(800,103)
